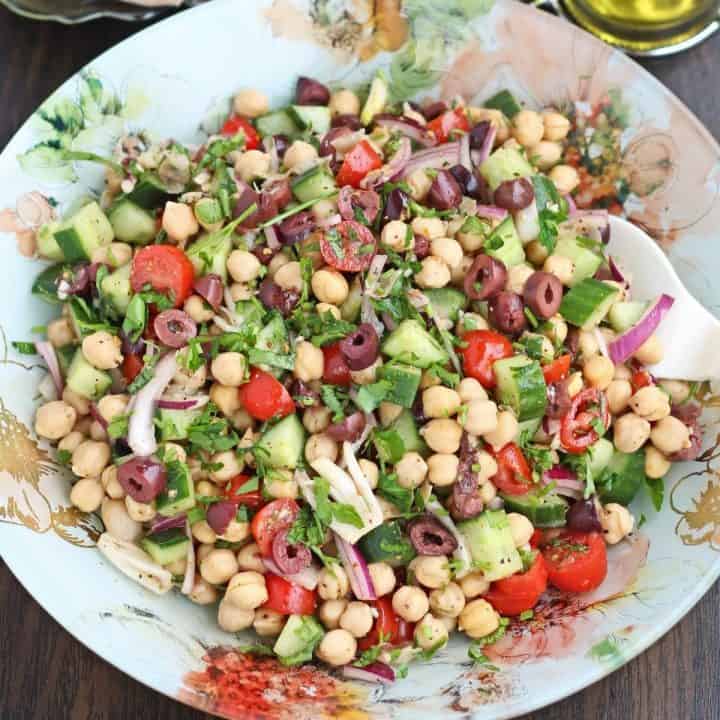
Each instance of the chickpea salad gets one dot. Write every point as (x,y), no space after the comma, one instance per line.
(355,373)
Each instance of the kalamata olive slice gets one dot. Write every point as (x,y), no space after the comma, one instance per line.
(462,175)
(360,349)
(131,348)
(688,412)
(514,194)
(478,134)
(418,410)
(297,227)
(220,514)
(480,190)
(278,192)
(559,400)
(311,92)
(174,328)
(485,278)
(583,516)
(692,452)
(282,143)
(421,246)
(80,282)
(264,253)
(396,206)
(434,109)
(290,558)
(303,395)
(348,121)
(361,205)
(507,312)
(444,193)
(350,429)
(246,198)
(142,478)
(273,297)
(543,294)
(210,288)
(327,149)
(429,537)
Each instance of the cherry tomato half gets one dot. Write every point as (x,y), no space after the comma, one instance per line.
(394,630)
(576,562)
(234,124)
(276,515)
(557,370)
(288,598)
(513,476)
(165,268)
(483,348)
(576,429)
(252,498)
(640,379)
(335,369)
(265,397)
(443,125)
(131,367)
(520,592)
(358,163)
(348,247)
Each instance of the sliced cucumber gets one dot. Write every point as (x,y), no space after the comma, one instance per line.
(315,118)
(544,510)
(284,442)
(586,304)
(279,122)
(166,547)
(491,544)
(209,254)
(86,380)
(116,286)
(299,638)
(387,543)
(600,454)
(623,315)
(622,478)
(46,242)
(46,283)
(85,231)
(504,244)
(521,385)
(131,223)
(174,424)
(447,302)
(584,259)
(505,164)
(350,309)
(149,193)
(405,381)
(404,425)
(316,182)
(505,102)
(376,100)
(179,494)
(410,342)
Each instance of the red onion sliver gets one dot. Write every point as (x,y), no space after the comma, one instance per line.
(377,672)
(481,155)
(407,127)
(392,169)
(491,212)
(169,403)
(356,569)
(623,347)
(97,415)
(616,273)
(163,523)
(329,221)
(572,207)
(189,579)
(272,238)
(307,578)
(441,157)
(48,354)
(210,287)
(465,160)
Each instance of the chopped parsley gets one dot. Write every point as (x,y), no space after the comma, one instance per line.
(118,426)
(389,488)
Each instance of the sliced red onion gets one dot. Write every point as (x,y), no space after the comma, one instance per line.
(307,578)
(491,212)
(210,287)
(465,160)
(367,200)
(597,220)
(220,514)
(572,207)
(190,403)
(271,236)
(356,568)
(616,273)
(440,157)
(97,415)
(189,579)
(408,127)
(392,169)
(623,347)
(141,429)
(167,523)
(367,311)
(330,221)
(566,482)
(47,353)
(377,672)
(481,155)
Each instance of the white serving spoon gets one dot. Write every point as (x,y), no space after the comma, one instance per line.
(689,334)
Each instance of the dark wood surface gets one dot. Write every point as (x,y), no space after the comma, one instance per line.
(46,674)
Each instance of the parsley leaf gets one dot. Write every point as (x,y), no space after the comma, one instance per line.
(334,399)
(118,426)
(656,490)
(370,655)
(370,396)
(145,375)
(476,650)
(24,348)
(211,432)
(552,210)
(389,488)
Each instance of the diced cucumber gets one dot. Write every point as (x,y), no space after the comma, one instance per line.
(505,102)
(622,478)
(209,254)
(491,544)
(586,304)
(404,425)
(45,284)
(174,424)
(85,231)
(505,164)
(405,381)
(600,454)
(86,380)
(504,244)
(65,355)
(387,543)
(623,315)
(447,302)
(277,123)
(274,335)
(584,259)
(350,309)
(410,342)
(316,182)
(284,442)
(149,192)
(299,638)
(315,118)
(521,385)
(376,100)
(131,223)
(166,547)
(46,242)
(179,493)
(116,286)
(544,510)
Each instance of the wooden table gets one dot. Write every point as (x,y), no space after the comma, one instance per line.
(45,673)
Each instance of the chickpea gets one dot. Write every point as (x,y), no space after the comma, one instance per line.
(90,458)
(268,623)
(440,402)
(357,619)
(111,485)
(321,445)
(300,156)
(650,352)
(528,127)
(482,417)
(618,395)
(442,435)
(410,603)
(487,491)
(430,633)
(202,552)
(179,222)
(471,241)
(278,485)
(678,390)
(231,465)
(565,177)
(102,350)
(561,267)
(389,412)
(574,384)
(177,567)
(97,431)
(249,558)
(309,362)
(434,273)
(234,619)
(622,372)
(243,266)
(289,276)
(447,250)
(236,532)
(229,369)
(617,523)
(556,126)
(449,600)
(316,419)
(246,589)
(55,419)
(473,585)
(536,252)
(71,441)
(470,389)
(656,464)
(598,371)
(330,612)
(60,332)
(429,379)
(419,183)
(397,236)
(517,277)
(495,117)
(250,103)
(411,470)
(202,592)
(556,330)
(115,254)
(190,380)
(478,619)
(338,647)
(505,432)
(520,528)
(205,487)
(219,566)
(141,512)
(370,471)
(670,435)
(112,406)
(344,102)
(442,469)
(118,523)
(322,308)
(630,432)
(333,583)
(432,571)
(202,532)
(252,164)
(87,495)
(383,578)
(330,286)
(226,397)
(83,425)
(546,154)
(651,403)
(277,261)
